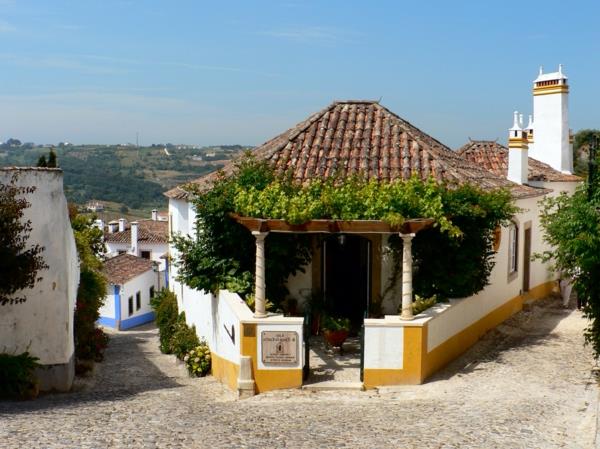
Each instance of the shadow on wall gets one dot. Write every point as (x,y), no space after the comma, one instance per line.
(127,370)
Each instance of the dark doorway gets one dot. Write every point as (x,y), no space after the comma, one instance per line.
(347,277)
(526,259)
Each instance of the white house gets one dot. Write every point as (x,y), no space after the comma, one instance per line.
(351,137)
(143,238)
(132,282)
(43,324)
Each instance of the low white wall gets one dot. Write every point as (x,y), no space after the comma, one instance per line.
(279,324)
(384,344)
(43,325)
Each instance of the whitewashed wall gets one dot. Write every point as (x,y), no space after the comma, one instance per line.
(141,283)
(384,344)
(43,325)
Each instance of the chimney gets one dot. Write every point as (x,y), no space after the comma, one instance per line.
(112,226)
(154,215)
(121,224)
(134,238)
(518,153)
(99,224)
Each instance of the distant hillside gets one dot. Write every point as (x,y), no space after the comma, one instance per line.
(133,177)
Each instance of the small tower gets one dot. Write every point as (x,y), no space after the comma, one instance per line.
(551,121)
(518,153)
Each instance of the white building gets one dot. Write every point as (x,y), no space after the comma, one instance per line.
(143,238)
(364,137)
(43,324)
(132,282)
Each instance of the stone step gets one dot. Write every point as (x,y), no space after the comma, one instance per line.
(332,385)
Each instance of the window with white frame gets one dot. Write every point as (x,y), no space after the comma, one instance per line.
(513,248)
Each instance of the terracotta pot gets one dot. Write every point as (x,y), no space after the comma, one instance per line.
(335,338)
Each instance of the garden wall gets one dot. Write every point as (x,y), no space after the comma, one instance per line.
(43,325)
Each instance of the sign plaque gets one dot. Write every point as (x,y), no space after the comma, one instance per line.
(279,348)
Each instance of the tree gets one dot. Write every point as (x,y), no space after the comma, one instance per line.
(52,162)
(20,263)
(89,340)
(581,147)
(42,161)
(572,228)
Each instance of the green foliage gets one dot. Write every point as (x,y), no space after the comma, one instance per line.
(42,162)
(334,324)
(198,360)
(164,305)
(20,263)
(345,199)
(450,267)
(421,304)
(572,226)
(184,338)
(90,341)
(222,255)
(581,148)
(18,376)
(52,162)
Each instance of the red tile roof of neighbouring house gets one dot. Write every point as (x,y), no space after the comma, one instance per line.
(492,156)
(149,231)
(124,267)
(364,138)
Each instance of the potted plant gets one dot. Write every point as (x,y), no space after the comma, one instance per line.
(335,330)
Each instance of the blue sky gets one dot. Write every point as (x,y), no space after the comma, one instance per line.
(240,72)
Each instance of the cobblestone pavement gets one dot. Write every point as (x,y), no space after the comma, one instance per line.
(527,384)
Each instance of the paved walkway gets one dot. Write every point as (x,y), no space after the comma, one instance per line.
(526,385)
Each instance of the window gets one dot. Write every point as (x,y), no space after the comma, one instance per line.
(513,248)
(151,292)
(146,254)
(138,300)
(130,301)
(121,251)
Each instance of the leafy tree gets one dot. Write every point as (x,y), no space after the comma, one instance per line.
(572,225)
(89,340)
(581,147)
(42,161)
(20,263)
(52,163)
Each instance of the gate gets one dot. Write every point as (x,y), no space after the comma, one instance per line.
(362,349)
(306,328)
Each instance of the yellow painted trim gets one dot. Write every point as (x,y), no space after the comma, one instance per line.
(225,371)
(459,343)
(555,89)
(266,380)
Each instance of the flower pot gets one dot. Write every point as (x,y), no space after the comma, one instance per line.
(335,338)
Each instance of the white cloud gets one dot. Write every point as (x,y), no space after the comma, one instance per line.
(311,34)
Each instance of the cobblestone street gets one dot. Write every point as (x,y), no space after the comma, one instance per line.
(527,384)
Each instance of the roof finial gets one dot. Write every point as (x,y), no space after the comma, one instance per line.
(521,120)
(530,124)
(541,70)
(560,69)
(516,121)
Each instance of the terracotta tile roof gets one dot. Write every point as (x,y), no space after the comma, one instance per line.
(363,137)
(492,156)
(149,231)
(122,268)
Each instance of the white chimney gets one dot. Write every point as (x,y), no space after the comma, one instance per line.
(518,153)
(99,224)
(154,215)
(134,238)
(121,224)
(112,226)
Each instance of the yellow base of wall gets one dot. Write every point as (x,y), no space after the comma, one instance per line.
(227,372)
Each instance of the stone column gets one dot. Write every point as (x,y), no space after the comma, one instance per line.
(260,286)
(407,313)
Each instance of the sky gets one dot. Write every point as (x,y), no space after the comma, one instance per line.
(227,72)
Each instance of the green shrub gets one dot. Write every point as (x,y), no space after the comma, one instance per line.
(335,324)
(184,339)
(421,304)
(17,376)
(198,360)
(164,305)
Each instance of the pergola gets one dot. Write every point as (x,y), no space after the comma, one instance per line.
(260,228)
